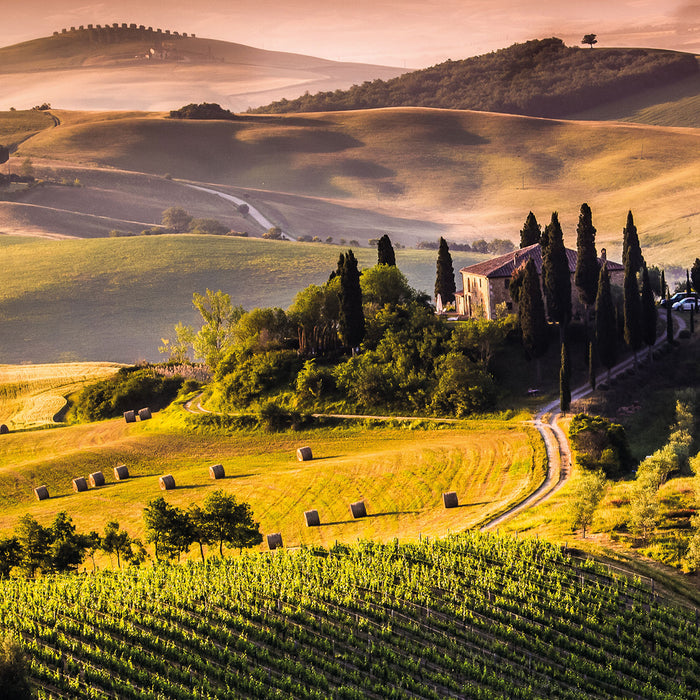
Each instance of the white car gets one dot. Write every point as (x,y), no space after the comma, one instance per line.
(685,304)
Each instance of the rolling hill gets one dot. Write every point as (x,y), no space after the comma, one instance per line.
(132,68)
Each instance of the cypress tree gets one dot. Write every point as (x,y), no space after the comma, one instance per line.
(352,318)
(564,379)
(691,320)
(688,288)
(591,364)
(385,252)
(662,285)
(669,319)
(605,324)
(695,275)
(531,231)
(556,275)
(586,275)
(648,311)
(632,308)
(630,245)
(533,322)
(445,275)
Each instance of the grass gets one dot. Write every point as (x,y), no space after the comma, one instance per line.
(400,473)
(114,299)
(33,395)
(18,125)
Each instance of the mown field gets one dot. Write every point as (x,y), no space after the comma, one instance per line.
(400,472)
(473,174)
(472,616)
(114,299)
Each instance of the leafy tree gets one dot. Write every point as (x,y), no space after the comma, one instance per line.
(180,349)
(262,329)
(445,275)
(530,232)
(10,555)
(176,219)
(564,379)
(589,39)
(533,323)
(587,268)
(695,275)
(384,284)
(67,547)
(316,313)
(587,491)
(93,543)
(34,540)
(463,386)
(385,251)
(116,541)
(556,276)
(313,383)
(14,684)
(605,323)
(352,319)
(217,333)
(167,527)
(644,506)
(649,312)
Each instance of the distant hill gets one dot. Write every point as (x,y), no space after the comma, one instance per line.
(541,78)
(132,67)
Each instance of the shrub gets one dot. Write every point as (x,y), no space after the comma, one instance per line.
(600,444)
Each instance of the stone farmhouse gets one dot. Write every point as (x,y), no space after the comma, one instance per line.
(487,284)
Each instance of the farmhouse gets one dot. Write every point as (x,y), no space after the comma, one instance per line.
(487,284)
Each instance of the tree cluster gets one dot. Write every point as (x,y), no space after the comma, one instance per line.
(541,78)
(204,110)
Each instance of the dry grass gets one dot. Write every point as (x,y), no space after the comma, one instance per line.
(32,395)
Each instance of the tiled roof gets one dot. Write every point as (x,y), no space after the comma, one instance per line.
(505,265)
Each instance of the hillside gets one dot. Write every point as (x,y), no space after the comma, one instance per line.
(134,68)
(470,616)
(541,78)
(414,173)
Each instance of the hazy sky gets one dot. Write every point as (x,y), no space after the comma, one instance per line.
(414,33)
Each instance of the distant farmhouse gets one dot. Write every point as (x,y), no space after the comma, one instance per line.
(487,284)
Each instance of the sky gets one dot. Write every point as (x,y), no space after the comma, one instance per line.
(403,33)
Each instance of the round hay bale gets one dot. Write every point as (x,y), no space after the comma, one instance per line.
(130,416)
(450,500)
(216,471)
(4,430)
(96,479)
(80,484)
(144,414)
(121,472)
(274,541)
(41,493)
(358,509)
(312,519)
(167,482)
(304,454)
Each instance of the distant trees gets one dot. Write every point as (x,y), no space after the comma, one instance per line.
(176,219)
(589,39)
(385,251)
(530,232)
(445,274)
(204,110)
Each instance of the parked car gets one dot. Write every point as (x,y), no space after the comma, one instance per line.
(685,304)
(678,296)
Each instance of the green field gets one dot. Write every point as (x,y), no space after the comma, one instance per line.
(114,299)
(472,616)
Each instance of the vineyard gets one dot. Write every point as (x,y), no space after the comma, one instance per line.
(478,616)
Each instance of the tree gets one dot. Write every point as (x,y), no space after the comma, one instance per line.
(384,284)
(589,39)
(34,540)
(591,364)
(564,379)
(13,671)
(176,219)
(445,274)
(531,231)
(688,287)
(10,555)
(4,154)
(533,323)
(316,312)
(385,251)
(556,275)
(632,308)
(167,527)
(630,246)
(352,319)
(587,268)
(605,323)
(669,319)
(587,491)
(695,275)
(179,350)
(649,312)
(67,547)
(662,285)
(116,541)
(220,318)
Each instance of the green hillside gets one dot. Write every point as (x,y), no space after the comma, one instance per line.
(115,298)
(541,78)
(470,616)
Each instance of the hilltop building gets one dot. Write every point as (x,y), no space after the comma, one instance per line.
(487,284)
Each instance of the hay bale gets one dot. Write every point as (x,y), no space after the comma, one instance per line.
(167,482)
(4,430)
(312,519)
(121,472)
(358,509)
(41,493)
(144,413)
(216,471)
(304,454)
(79,484)
(274,541)
(450,500)
(96,479)
(130,416)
